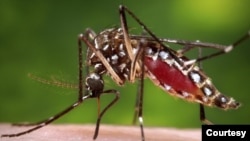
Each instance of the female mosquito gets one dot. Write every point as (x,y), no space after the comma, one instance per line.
(125,57)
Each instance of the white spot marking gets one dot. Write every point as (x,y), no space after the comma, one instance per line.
(114,59)
(196,77)
(121,47)
(94,76)
(43,124)
(155,56)
(81,35)
(122,53)
(140,120)
(164,55)
(204,99)
(119,29)
(92,55)
(75,104)
(207,91)
(185,94)
(108,59)
(97,65)
(223,99)
(149,51)
(208,81)
(105,36)
(151,75)
(134,50)
(167,87)
(125,75)
(96,44)
(228,49)
(50,118)
(122,66)
(105,47)
(85,97)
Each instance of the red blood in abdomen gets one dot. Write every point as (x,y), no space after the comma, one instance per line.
(170,75)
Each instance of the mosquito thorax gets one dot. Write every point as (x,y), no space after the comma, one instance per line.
(111,44)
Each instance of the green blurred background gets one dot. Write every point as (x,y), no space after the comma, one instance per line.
(40,37)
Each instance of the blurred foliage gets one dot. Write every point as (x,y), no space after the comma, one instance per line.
(40,37)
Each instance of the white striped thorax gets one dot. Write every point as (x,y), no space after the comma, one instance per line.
(199,86)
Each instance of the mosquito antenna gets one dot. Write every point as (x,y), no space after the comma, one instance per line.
(53,82)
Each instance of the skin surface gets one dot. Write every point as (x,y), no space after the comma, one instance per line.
(73,132)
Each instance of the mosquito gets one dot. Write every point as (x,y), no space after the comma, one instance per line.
(126,57)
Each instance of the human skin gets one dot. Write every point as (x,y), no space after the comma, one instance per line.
(77,132)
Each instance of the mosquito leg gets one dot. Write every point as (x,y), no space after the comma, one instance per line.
(125,32)
(193,44)
(123,9)
(188,45)
(136,110)
(227,49)
(131,56)
(80,63)
(139,97)
(128,44)
(202,109)
(117,95)
(134,67)
(141,89)
(135,113)
(90,34)
(223,48)
(203,116)
(94,82)
(47,121)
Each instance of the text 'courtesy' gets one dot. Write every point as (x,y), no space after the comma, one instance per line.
(235,132)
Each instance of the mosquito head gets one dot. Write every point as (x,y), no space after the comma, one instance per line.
(94,84)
